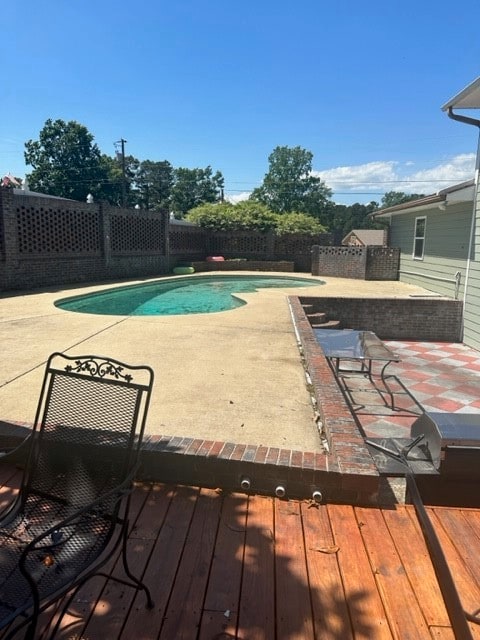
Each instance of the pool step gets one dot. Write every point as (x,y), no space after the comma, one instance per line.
(329,324)
(317,317)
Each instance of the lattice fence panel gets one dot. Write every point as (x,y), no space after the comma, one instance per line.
(294,244)
(343,252)
(240,244)
(186,240)
(137,234)
(50,230)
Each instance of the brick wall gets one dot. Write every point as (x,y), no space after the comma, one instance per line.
(244,265)
(438,319)
(382,263)
(349,459)
(46,241)
(364,263)
(187,241)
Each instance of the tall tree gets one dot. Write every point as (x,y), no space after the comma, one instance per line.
(119,184)
(289,184)
(344,218)
(193,187)
(66,162)
(392,198)
(154,181)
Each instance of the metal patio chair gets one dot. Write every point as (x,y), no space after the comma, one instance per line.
(71,512)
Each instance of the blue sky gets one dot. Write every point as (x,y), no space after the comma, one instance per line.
(223,82)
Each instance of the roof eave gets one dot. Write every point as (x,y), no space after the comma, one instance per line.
(429,202)
(468,98)
(398,210)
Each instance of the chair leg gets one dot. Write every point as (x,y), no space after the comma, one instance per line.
(139,583)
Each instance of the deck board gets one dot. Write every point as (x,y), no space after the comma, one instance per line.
(391,577)
(365,605)
(253,567)
(294,611)
(256,620)
(184,609)
(406,534)
(220,614)
(330,611)
(163,564)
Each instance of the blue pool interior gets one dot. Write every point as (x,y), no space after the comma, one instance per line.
(178,296)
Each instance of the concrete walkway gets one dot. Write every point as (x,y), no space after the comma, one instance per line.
(234,376)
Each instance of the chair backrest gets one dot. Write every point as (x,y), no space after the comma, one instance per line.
(88,428)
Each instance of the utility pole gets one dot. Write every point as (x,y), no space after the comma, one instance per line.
(122,142)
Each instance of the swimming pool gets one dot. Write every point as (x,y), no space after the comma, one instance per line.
(178,296)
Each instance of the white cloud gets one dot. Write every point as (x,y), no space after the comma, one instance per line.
(378,177)
(361,177)
(237,197)
(457,169)
(369,181)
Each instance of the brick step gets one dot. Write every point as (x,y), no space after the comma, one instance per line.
(317,317)
(330,324)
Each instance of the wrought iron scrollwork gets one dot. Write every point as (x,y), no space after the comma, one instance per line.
(99,368)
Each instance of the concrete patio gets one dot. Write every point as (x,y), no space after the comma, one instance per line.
(230,386)
(234,376)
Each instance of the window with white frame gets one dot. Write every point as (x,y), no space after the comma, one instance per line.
(419,238)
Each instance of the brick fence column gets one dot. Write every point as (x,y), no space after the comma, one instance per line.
(315,259)
(105,232)
(270,246)
(10,235)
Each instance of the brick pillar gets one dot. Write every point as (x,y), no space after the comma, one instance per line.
(166,229)
(315,260)
(270,246)
(9,231)
(105,232)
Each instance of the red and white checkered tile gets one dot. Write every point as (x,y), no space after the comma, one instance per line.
(441,377)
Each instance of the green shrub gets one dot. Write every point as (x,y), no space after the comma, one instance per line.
(253,216)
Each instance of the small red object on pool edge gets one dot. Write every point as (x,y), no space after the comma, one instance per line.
(215,259)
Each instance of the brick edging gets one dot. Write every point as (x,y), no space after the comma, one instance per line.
(350,455)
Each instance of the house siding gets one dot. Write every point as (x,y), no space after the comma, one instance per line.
(472,298)
(445,250)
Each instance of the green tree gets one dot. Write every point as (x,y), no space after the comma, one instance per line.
(193,187)
(114,184)
(392,198)
(289,184)
(66,162)
(345,218)
(154,181)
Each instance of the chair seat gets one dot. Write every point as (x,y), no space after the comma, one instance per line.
(55,563)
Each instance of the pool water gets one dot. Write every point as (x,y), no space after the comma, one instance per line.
(203,294)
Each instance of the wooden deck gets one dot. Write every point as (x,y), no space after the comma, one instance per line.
(234,566)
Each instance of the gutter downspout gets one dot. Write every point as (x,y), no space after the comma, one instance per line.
(475,123)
